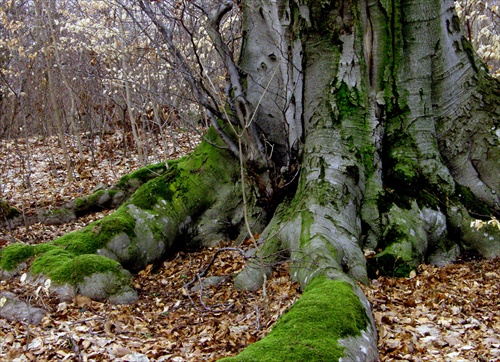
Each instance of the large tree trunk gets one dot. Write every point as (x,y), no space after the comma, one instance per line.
(384,141)
(400,145)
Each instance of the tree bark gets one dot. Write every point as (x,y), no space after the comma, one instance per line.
(400,139)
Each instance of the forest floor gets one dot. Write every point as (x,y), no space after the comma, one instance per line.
(438,314)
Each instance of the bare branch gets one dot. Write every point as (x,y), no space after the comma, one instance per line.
(201,94)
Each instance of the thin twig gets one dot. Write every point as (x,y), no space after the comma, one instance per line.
(257,316)
(205,270)
(198,276)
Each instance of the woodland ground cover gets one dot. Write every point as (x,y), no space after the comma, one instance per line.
(437,314)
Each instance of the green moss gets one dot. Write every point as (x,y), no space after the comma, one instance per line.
(395,261)
(181,185)
(404,184)
(13,254)
(347,100)
(99,200)
(356,129)
(63,266)
(83,206)
(404,169)
(88,264)
(142,175)
(81,203)
(94,198)
(305,231)
(179,188)
(390,265)
(471,202)
(365,155)
(44,248)
(401,158)
(326,312)
(97,234)
(332,251)
(159,188)
(79,242)
(51,261)
(404,242)
(68,259)
(62,213)
(116,223)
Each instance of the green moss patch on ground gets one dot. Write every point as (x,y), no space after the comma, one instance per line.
(14,254)
(63,267)
(328,310)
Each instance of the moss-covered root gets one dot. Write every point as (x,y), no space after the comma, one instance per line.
(413,235)
(118,193)
(328,323)
(92,275)
(163,212)
(101,198)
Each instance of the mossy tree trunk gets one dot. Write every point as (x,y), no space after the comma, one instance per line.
(400,144)
(382,139)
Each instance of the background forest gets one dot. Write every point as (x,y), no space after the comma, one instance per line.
(86,97)
(78,69)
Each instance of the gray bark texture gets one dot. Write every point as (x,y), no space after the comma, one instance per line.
(400,138)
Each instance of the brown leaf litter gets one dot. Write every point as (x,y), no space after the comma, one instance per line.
(440,314)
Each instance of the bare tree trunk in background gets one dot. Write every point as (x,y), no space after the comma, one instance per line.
(51,88)
(50,9)
(130,106)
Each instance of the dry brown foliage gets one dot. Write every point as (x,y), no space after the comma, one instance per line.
(440,314)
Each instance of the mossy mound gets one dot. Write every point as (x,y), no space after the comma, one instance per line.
(96,235)
(58,263)
(14,254)
(62,266)
(95,276)
(327,312)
